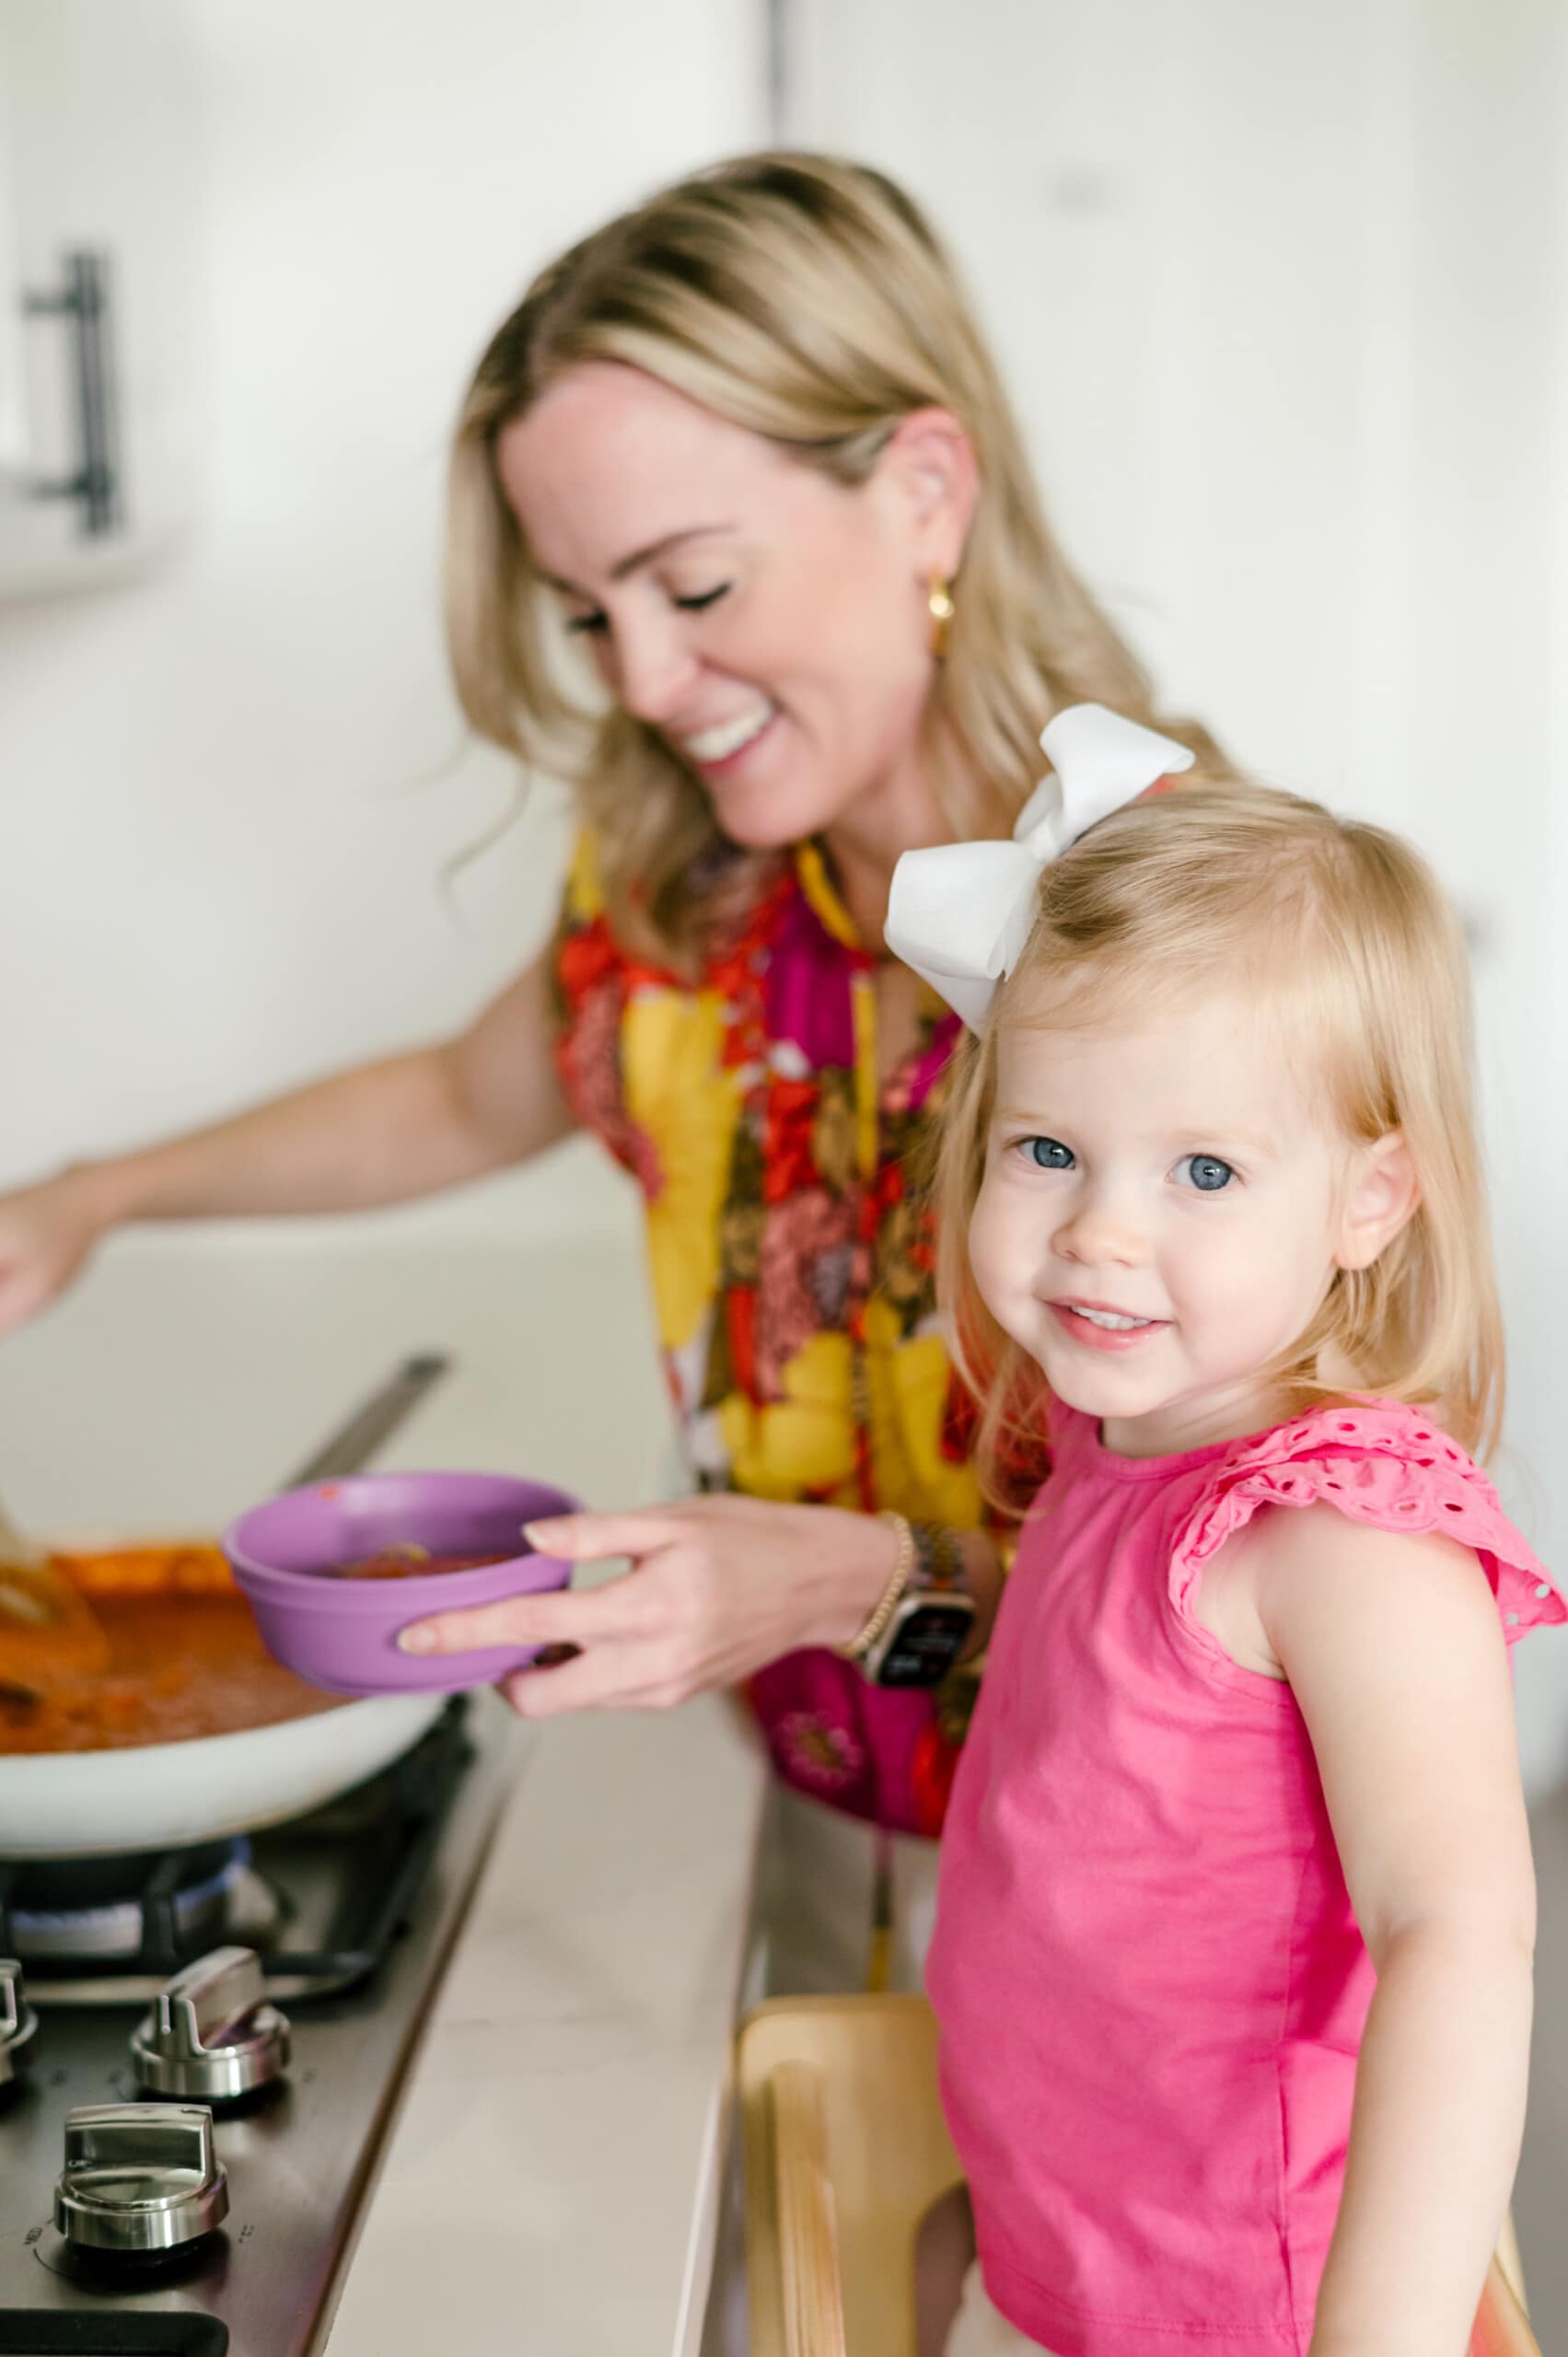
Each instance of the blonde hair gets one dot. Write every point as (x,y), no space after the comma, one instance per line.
(807,300)
(1343,930)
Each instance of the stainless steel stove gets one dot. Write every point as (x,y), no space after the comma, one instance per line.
(274,1990)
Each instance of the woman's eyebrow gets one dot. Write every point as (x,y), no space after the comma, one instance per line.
(639,557)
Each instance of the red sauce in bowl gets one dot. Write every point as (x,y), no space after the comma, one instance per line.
(411,1563)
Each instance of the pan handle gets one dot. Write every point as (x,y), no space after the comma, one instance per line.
(372,1423)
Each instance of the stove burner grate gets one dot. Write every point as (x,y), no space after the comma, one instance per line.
(147,1916)
(96,1908)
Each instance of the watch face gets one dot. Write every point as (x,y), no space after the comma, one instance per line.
(925,1642)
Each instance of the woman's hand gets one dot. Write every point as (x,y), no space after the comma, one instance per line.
(719,1587)
(46,1233)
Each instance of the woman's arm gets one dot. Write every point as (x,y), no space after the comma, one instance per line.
(1393,1650)
(719,1587)
(405,1126)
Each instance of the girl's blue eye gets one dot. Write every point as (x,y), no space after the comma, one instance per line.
(1207,1173)
(1047,1154)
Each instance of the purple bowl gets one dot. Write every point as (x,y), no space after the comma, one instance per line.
(342,1634)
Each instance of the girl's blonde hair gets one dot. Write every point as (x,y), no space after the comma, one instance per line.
(1342,931)
(807,300)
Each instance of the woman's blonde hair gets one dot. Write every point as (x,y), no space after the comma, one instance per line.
(1340,930)
(807,300)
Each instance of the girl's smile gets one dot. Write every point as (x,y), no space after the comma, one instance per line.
(1096,1326)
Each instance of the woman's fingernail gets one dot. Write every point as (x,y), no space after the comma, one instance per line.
(417,1639)
(534,1532)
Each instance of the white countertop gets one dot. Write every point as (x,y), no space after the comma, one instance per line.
(553,2182)
(550,2183)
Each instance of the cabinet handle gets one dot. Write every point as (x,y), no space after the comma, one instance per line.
(83,300)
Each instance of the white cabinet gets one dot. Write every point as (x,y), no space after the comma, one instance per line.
(98,213)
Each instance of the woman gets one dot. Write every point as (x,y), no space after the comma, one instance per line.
(744,448)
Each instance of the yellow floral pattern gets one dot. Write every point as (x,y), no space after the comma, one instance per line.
(790,1271)
(685,1102)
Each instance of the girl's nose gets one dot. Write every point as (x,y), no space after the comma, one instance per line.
(1101,1233)
(650,670)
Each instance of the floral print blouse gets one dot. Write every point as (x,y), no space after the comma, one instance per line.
(792,1276)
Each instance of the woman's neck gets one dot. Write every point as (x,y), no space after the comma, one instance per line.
(862,882)
(868,841)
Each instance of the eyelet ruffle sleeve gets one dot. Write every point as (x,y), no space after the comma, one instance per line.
(1380,1463)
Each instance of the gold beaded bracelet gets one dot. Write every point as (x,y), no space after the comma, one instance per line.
(887,1602)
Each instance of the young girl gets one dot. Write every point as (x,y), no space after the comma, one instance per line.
(1233,1952)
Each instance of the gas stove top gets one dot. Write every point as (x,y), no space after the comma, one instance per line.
(345,1918)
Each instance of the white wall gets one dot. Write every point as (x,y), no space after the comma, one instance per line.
(227,793)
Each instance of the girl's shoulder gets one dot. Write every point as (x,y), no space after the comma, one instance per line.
(1377,1462)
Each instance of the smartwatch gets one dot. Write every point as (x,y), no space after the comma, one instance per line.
(930,1622)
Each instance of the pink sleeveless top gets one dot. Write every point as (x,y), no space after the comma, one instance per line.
(1149,1981)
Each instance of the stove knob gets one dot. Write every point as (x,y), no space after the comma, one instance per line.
(18,2023)
(140,2177)
(211,2033)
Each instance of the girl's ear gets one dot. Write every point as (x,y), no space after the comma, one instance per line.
(1381,1200)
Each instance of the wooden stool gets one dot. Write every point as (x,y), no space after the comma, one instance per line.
(845,2149)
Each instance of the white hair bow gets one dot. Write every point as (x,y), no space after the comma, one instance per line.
(960,913)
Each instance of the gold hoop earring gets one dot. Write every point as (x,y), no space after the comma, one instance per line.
(939,606)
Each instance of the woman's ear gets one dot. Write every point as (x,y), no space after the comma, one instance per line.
(1382,1198)
(927,466)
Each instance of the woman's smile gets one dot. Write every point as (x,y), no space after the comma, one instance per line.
(722,748)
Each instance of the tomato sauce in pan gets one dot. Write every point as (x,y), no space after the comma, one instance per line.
(186,1659)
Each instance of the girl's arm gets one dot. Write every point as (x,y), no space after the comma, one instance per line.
(405,1126)
(1392,1646)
